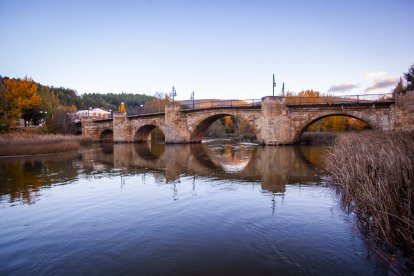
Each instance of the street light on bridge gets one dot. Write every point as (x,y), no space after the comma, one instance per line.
(192,98)
(174,93)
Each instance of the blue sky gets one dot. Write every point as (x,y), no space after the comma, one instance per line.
(219,49)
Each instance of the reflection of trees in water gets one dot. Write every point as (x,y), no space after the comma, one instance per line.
(22,178)
(314,156)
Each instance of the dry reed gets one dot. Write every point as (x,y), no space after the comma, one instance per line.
(22,143)
(374,174)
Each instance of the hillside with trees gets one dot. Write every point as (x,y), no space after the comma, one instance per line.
(36,103)
(69,97)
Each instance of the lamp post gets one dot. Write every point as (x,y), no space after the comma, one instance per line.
(174,93)
(192,98)
(67,123)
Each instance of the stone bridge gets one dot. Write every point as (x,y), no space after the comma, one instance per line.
(274,121)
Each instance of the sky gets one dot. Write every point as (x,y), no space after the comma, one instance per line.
(218,49)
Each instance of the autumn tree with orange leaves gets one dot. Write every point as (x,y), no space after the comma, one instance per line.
(16,96)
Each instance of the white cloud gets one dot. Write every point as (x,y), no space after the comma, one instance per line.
(380,80)
(342,87)
(376,76)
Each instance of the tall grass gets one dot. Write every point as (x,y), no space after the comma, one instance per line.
(374,173)
(22,143)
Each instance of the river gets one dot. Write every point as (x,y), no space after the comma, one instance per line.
(214,208)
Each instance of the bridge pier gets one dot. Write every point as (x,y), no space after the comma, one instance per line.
(176,129)
(122,128)
(276,127)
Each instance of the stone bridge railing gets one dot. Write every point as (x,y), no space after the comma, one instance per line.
(290,101)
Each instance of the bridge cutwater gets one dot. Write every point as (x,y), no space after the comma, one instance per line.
(275,120)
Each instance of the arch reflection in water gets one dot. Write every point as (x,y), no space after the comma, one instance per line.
(273,167)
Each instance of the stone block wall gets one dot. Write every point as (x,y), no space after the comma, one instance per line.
(404,111)
(176,129)
(121,128)
(93,129)
(275,128)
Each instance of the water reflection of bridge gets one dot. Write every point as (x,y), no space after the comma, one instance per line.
(272,167)
(22,178)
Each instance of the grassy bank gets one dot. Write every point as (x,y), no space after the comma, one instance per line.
(374,174)
(22,143)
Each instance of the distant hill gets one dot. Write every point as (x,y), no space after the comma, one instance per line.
(106,101)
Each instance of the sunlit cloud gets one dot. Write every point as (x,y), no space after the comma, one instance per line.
(342,87)
(377,76)
(380,80)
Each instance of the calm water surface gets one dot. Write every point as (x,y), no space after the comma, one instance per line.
(209,209)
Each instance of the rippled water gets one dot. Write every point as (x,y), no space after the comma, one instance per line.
(209,209)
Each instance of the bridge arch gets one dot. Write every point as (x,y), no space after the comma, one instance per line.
(303,128)
(106,136)
(142,134)
(201,125)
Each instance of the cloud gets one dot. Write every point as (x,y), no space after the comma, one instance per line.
(384,83)
(377,76)
(342,87)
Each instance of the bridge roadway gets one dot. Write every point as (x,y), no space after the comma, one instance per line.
(275,120)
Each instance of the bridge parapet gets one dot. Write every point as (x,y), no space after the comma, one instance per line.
(364,99)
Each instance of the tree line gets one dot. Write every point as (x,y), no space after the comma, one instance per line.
(36,103)
(406,83)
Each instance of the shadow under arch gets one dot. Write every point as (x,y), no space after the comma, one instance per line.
(304,128)
(201,128)
(107,136)
(144,132)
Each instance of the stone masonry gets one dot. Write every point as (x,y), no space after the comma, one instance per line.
(274,122)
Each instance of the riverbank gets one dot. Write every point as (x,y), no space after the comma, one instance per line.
(23,143)
(374,174)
